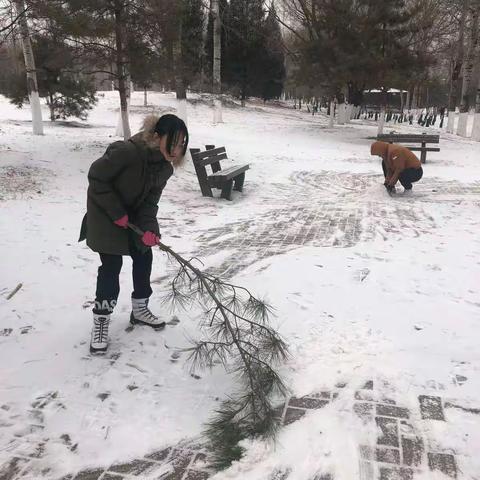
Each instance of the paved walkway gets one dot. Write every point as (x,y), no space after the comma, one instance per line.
(399,452)
(322,209)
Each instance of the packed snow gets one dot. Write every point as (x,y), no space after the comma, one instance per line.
(386,289)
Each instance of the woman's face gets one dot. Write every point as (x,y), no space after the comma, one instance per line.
(177,149)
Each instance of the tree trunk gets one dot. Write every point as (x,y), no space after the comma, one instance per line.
(51,107)
(476,118)
(472,55)
(121,60)
(458,60)
(381,121)
(145,102)
(217,58)
(32,86)
(180,89)
(331,120)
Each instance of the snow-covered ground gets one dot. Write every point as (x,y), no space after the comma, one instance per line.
(364,286)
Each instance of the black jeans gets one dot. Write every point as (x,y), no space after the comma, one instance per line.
(108,284)
(407,177)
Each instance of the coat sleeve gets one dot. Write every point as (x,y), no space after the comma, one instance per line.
(146,214)
(101,175)
(398,166)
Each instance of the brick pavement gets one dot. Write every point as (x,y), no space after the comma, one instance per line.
(401,449)
(324,209)
(328,209)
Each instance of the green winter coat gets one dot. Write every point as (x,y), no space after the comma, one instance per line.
(127,180)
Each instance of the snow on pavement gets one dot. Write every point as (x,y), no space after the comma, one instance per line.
(365,287)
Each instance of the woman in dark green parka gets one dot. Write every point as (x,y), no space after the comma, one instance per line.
(125,186)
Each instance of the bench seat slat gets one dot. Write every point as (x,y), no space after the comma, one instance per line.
(425,149)
(229,173)
(409,138)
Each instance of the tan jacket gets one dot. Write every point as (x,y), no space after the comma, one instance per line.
(397,159)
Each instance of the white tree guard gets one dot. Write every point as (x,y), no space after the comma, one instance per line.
(36,113)
(476,127)
(451,122)
(462,124)
(381,122)
(342,113)
(182,109)
(217,111)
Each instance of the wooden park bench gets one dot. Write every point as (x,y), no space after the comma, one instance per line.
(423,139)
(226,179)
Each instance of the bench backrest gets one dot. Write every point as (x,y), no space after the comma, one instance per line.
(209,157)
(406,138)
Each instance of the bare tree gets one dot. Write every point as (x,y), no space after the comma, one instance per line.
(32,85)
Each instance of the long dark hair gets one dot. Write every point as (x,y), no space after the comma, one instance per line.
(173,127)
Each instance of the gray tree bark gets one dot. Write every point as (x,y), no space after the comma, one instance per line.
(217,58)
(458,60)
(472,56)
(180,89)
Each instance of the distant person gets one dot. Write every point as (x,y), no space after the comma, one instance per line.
(398,164)
(125,185)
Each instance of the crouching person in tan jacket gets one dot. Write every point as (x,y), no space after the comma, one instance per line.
(398,164)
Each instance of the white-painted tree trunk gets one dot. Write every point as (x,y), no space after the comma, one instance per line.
(32,86)
(121,121)
(331,120)
(381,121)
(341,108)
(451,122)
(349,112)
(462,124)
(476,127)
(182,109)
(217,57)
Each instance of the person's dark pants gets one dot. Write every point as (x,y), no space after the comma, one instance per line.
(407,177)
(108,284)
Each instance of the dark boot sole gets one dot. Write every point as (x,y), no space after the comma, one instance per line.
(134,321)
(98,351)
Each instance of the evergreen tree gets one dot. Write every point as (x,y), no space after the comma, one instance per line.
(192,30)
(67,92)
(363,43)
(244,29)
(272,74)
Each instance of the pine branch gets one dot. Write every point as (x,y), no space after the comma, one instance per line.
(240,338)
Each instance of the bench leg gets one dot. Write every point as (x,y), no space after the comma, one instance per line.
(203,181)
(227,189)
(239,179)
(423,155)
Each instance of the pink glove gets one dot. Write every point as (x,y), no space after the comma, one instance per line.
(122,222)
(150,239)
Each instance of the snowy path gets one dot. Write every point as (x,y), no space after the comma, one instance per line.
(377,296)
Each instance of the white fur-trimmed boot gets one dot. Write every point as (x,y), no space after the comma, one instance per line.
(99,337)
(142,315)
